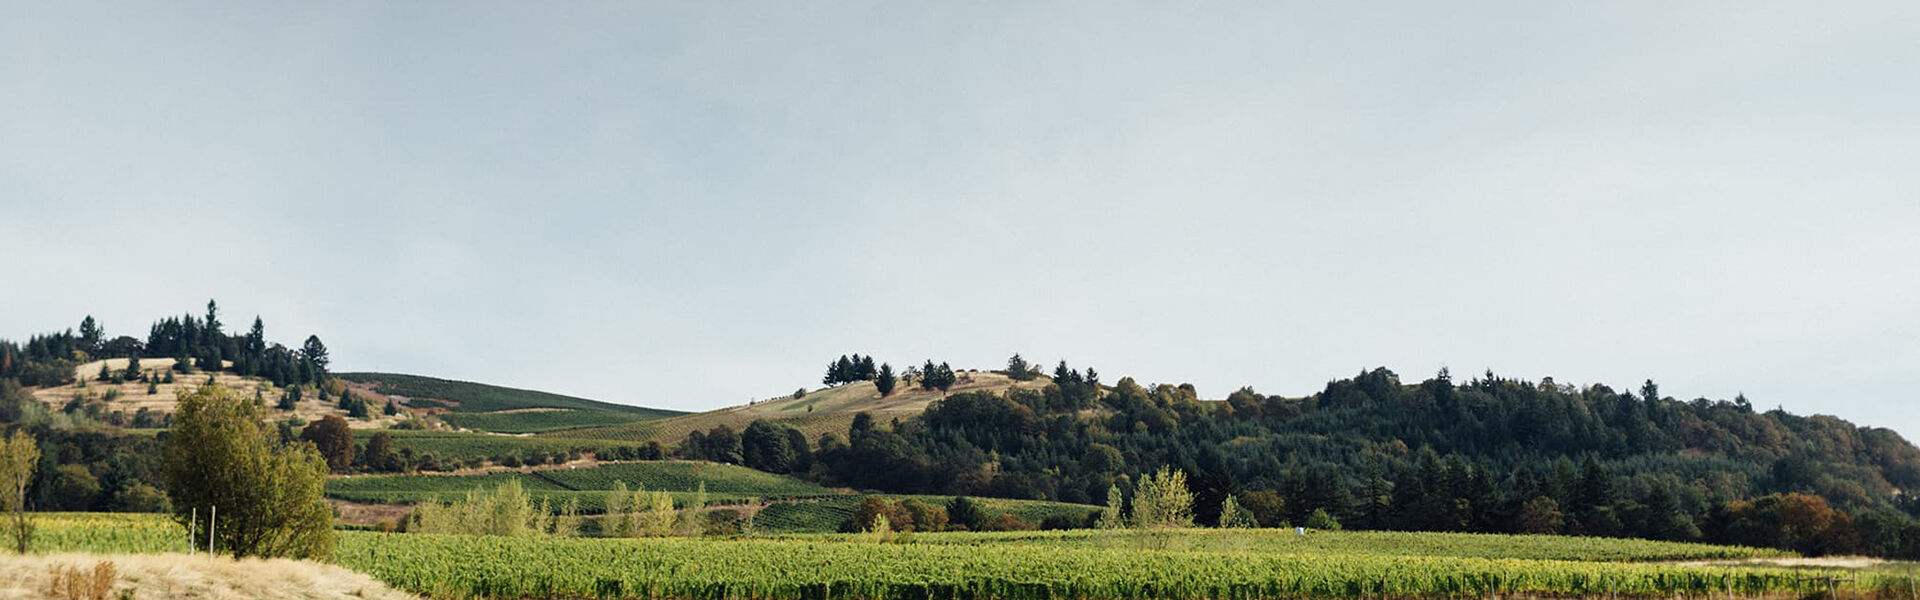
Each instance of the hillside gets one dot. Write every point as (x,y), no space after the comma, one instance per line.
(131,397)
(494,408)
(821,411)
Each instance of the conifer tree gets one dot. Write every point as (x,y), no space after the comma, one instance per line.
(884,381)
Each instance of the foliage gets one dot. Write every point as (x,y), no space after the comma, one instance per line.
(334,439)
(1233,516)
(464,566)
(19,455)
(220,457)
(505,510)
(1162,500)
(540,420)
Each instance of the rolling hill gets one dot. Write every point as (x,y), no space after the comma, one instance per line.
(131,397)
(498,409)
(818,412)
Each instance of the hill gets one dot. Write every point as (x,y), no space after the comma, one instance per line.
(821,411)
(498,409)
(134,404)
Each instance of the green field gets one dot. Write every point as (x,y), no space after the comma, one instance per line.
(453,446)
(1179,564)
(477,405)
(1383,543)
(725,484)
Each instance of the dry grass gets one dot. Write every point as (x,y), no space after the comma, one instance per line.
(133,395)
(820,411)
(86,577)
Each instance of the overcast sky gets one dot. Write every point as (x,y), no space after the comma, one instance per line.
(689,205)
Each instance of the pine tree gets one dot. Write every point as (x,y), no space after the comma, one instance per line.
(884,381)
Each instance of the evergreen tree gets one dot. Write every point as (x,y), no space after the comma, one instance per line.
(884,380)
(91,335)
(1019,370)
(313,357)
(133,367)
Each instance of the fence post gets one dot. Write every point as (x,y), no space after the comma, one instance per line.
(193,530)
(213,516)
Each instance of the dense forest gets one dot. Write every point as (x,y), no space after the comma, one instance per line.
(1491,454)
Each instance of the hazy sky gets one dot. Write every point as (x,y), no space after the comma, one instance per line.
(688,205)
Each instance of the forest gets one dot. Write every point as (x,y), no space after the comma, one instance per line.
(1492,454)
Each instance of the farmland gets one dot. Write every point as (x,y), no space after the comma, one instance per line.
(499,409)
(1029,565)
(457,447)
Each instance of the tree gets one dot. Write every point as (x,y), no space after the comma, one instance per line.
(18,456)
(1019,370)
(1162,500)
(334,440)
(1268,508)
(1322,520)
(1110,517)
(964,511)
(764,446)
(133,368)
(884,381)
(379,455)
(1540,515)
(220,457)
(1233,516)
(91,334)
(314,354)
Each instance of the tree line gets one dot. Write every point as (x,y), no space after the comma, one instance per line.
(1492,454)
(192,342)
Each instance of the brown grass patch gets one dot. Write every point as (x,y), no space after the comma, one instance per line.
(86,577)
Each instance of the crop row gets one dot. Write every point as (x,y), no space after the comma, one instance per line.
(458,566)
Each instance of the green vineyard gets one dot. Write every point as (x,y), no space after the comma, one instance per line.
(1270,564)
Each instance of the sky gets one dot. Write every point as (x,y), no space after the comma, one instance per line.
(690,205)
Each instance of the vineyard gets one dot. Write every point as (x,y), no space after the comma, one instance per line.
(454,447)
(1020,566)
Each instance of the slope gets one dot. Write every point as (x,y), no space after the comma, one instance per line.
(818,412)
(498,409)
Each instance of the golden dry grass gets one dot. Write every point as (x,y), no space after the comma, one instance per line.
(133,395)
(195,576)
(820,411)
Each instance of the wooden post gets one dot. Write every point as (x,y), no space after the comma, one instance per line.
(212,517)
(193,529)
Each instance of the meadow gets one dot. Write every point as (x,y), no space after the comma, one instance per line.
(456,447)
(1049,566)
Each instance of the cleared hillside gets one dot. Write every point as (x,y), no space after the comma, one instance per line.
(132,396)
(498,409)
(818,412)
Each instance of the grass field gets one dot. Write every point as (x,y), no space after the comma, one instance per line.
(1021,566)
(821,411)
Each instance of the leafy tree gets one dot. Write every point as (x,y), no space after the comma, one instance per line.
(1268,508)
(1322,520)
(379,455)
(765,446)
(1233,516)
(220,456)
(884,380)
(964,511)
(333,439)
(1111,517)
(1162,500)
(19,455)
(1541,515)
